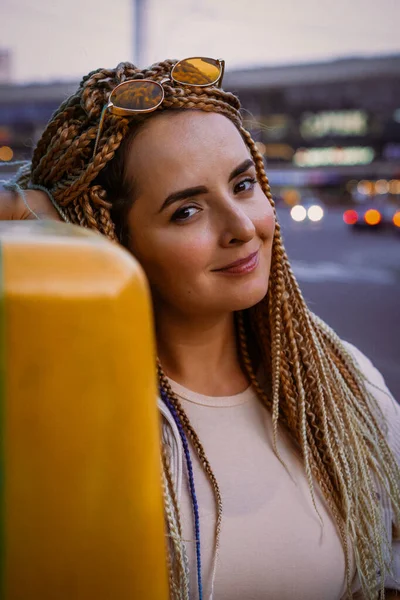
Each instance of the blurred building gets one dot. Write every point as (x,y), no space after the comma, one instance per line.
(5,65)
(323,128)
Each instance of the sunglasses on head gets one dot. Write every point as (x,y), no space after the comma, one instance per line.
(137,96)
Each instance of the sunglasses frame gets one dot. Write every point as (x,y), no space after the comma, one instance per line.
(125,112)
(219,61)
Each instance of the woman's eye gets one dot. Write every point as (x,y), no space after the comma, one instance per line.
(185,213)
(245,185)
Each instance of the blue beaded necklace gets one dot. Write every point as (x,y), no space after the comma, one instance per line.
(193,496)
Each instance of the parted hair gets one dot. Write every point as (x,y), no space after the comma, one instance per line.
(315,388)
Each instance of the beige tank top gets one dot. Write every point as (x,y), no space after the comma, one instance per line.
(272,543)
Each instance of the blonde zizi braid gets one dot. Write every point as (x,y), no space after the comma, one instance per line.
(314,387)
(324,403)
(177,558)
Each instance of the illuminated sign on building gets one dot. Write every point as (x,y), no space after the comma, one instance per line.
(317,157)
(334,122)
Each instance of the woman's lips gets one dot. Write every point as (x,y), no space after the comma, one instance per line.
(240,267)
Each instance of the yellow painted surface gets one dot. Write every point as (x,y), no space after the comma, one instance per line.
(83,502)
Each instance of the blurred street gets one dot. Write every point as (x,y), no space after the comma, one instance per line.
(352,281)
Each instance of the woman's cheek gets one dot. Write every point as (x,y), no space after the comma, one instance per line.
(179,257)
(266,223)
(192,244)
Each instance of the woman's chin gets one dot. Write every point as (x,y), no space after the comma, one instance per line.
(246,296)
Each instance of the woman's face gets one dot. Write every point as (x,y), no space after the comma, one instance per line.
(198,208)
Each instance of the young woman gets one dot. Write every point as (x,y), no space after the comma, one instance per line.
(281,443)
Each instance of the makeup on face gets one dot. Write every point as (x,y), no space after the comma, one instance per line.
(203,228)
(192,192)
(241,266)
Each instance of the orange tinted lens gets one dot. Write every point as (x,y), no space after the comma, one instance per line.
(137,95)
(196,71)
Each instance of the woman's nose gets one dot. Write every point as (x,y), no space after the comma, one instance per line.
(237,228)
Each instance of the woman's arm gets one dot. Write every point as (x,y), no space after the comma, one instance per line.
(13,207)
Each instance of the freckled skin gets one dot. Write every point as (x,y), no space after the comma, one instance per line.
(234,219)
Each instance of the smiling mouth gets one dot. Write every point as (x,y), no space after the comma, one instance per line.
(239,267)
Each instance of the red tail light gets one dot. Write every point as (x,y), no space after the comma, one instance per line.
(396,218)
(350,217)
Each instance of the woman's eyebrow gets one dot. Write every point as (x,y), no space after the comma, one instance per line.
(183,195)
(201,189)
(244,166)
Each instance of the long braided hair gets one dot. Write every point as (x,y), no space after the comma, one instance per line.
(315,389)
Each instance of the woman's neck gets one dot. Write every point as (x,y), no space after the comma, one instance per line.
(201,354)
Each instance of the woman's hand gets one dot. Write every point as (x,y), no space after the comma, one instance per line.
(12,206)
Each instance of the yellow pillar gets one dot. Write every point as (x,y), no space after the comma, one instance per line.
(81,503)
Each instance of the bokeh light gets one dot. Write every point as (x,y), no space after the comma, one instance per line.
(350,217)
(394,186)
(315,213)
(6,153)
(372,217)
(291,196)
(365,187)
(351,185)
(381,186)
(298,213)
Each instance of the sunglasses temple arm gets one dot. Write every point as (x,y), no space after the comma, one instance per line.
(103,112)
(222,63)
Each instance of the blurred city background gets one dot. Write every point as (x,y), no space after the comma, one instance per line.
(320,85)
